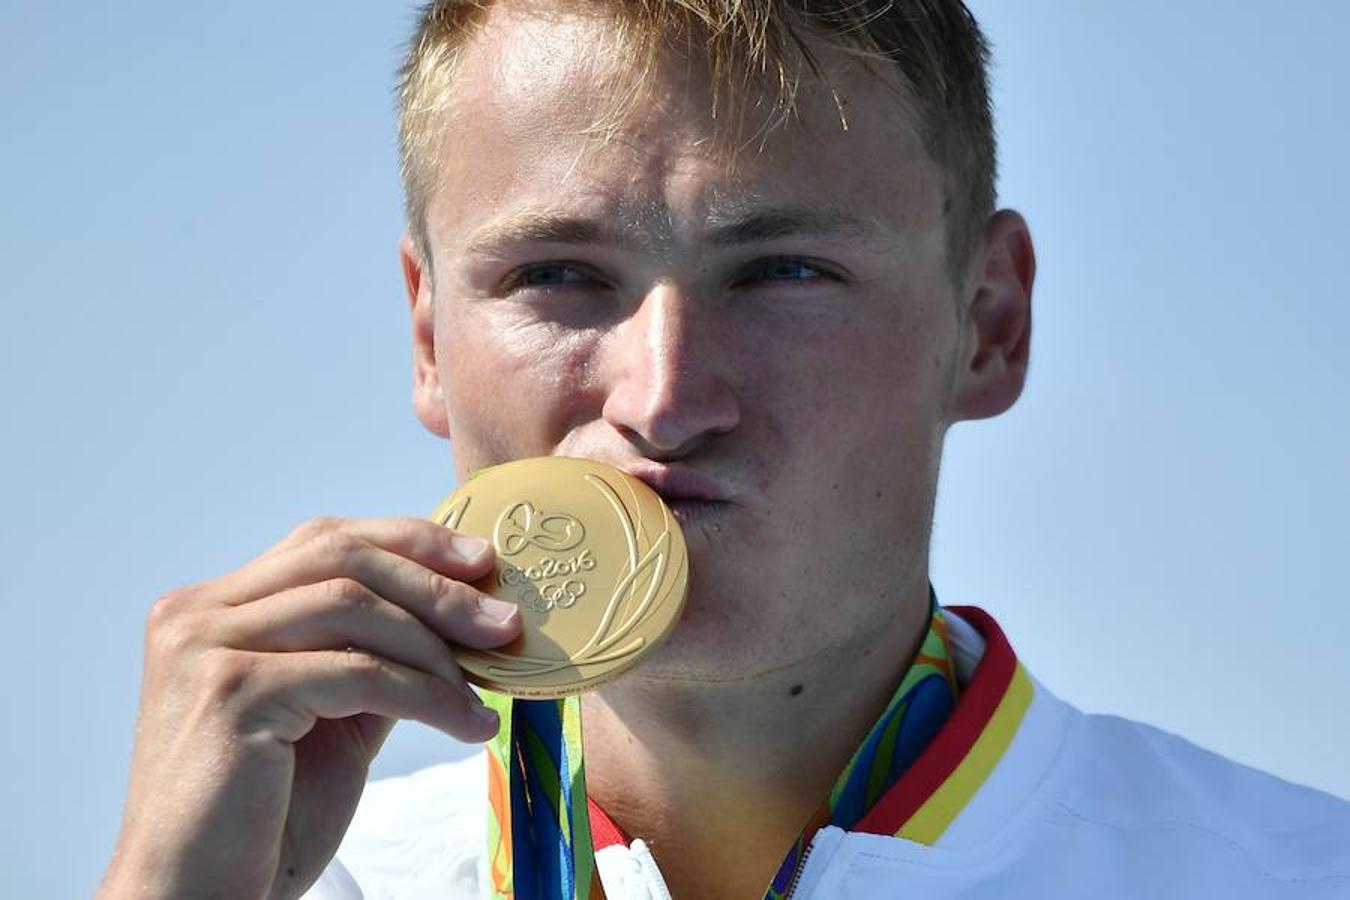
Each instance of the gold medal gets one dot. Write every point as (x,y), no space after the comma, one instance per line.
(591,555)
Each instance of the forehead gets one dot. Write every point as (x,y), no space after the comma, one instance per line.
(531,87)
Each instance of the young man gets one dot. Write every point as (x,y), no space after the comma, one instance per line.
(748,253)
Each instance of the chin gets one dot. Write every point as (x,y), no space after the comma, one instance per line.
(719,641)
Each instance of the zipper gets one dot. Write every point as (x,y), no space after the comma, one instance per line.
(826,841)
(797,872)
(656,884)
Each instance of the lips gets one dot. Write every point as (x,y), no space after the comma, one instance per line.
(679,484)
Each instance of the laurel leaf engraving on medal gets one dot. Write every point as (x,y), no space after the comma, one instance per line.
(652,563)
(454,513)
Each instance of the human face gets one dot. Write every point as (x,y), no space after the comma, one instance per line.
(777,341)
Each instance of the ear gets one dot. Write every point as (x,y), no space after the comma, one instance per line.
(996,329)
(428,398)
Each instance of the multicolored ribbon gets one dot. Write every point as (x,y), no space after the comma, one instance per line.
(539,833)
(539,829)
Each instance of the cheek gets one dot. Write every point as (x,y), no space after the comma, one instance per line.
(858,409)
(511,390)
(866,375)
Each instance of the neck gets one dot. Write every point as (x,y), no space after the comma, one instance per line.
(719,777)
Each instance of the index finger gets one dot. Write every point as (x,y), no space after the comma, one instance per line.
(441,549)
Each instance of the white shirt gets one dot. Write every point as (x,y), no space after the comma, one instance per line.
(1040,801)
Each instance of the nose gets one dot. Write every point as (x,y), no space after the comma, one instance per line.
(669,391)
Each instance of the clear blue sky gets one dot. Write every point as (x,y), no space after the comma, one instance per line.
(205,342)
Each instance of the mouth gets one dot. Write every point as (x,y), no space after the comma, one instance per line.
(694,498)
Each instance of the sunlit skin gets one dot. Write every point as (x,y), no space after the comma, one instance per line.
(809,372)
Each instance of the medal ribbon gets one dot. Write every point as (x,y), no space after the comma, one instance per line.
(539,832)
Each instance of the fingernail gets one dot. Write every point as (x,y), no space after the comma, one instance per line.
(484,713)
(497,610)
(467,547)
(478,709)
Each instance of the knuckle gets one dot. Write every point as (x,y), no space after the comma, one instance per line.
(319,525)
(170,604)
(349,595)
(369,670)
(452,599)
(227,674)
(339,545)
(325,523)
(378,679)
(168,625)
(408,531)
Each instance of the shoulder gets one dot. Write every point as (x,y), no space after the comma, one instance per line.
(1136,779)
(1115,755)
(1142,791)
(416,835)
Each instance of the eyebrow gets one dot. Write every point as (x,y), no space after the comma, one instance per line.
(721,229)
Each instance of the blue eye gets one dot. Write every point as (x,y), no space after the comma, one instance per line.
(548,275)
(784,269)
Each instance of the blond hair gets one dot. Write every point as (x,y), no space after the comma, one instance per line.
(935,46)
